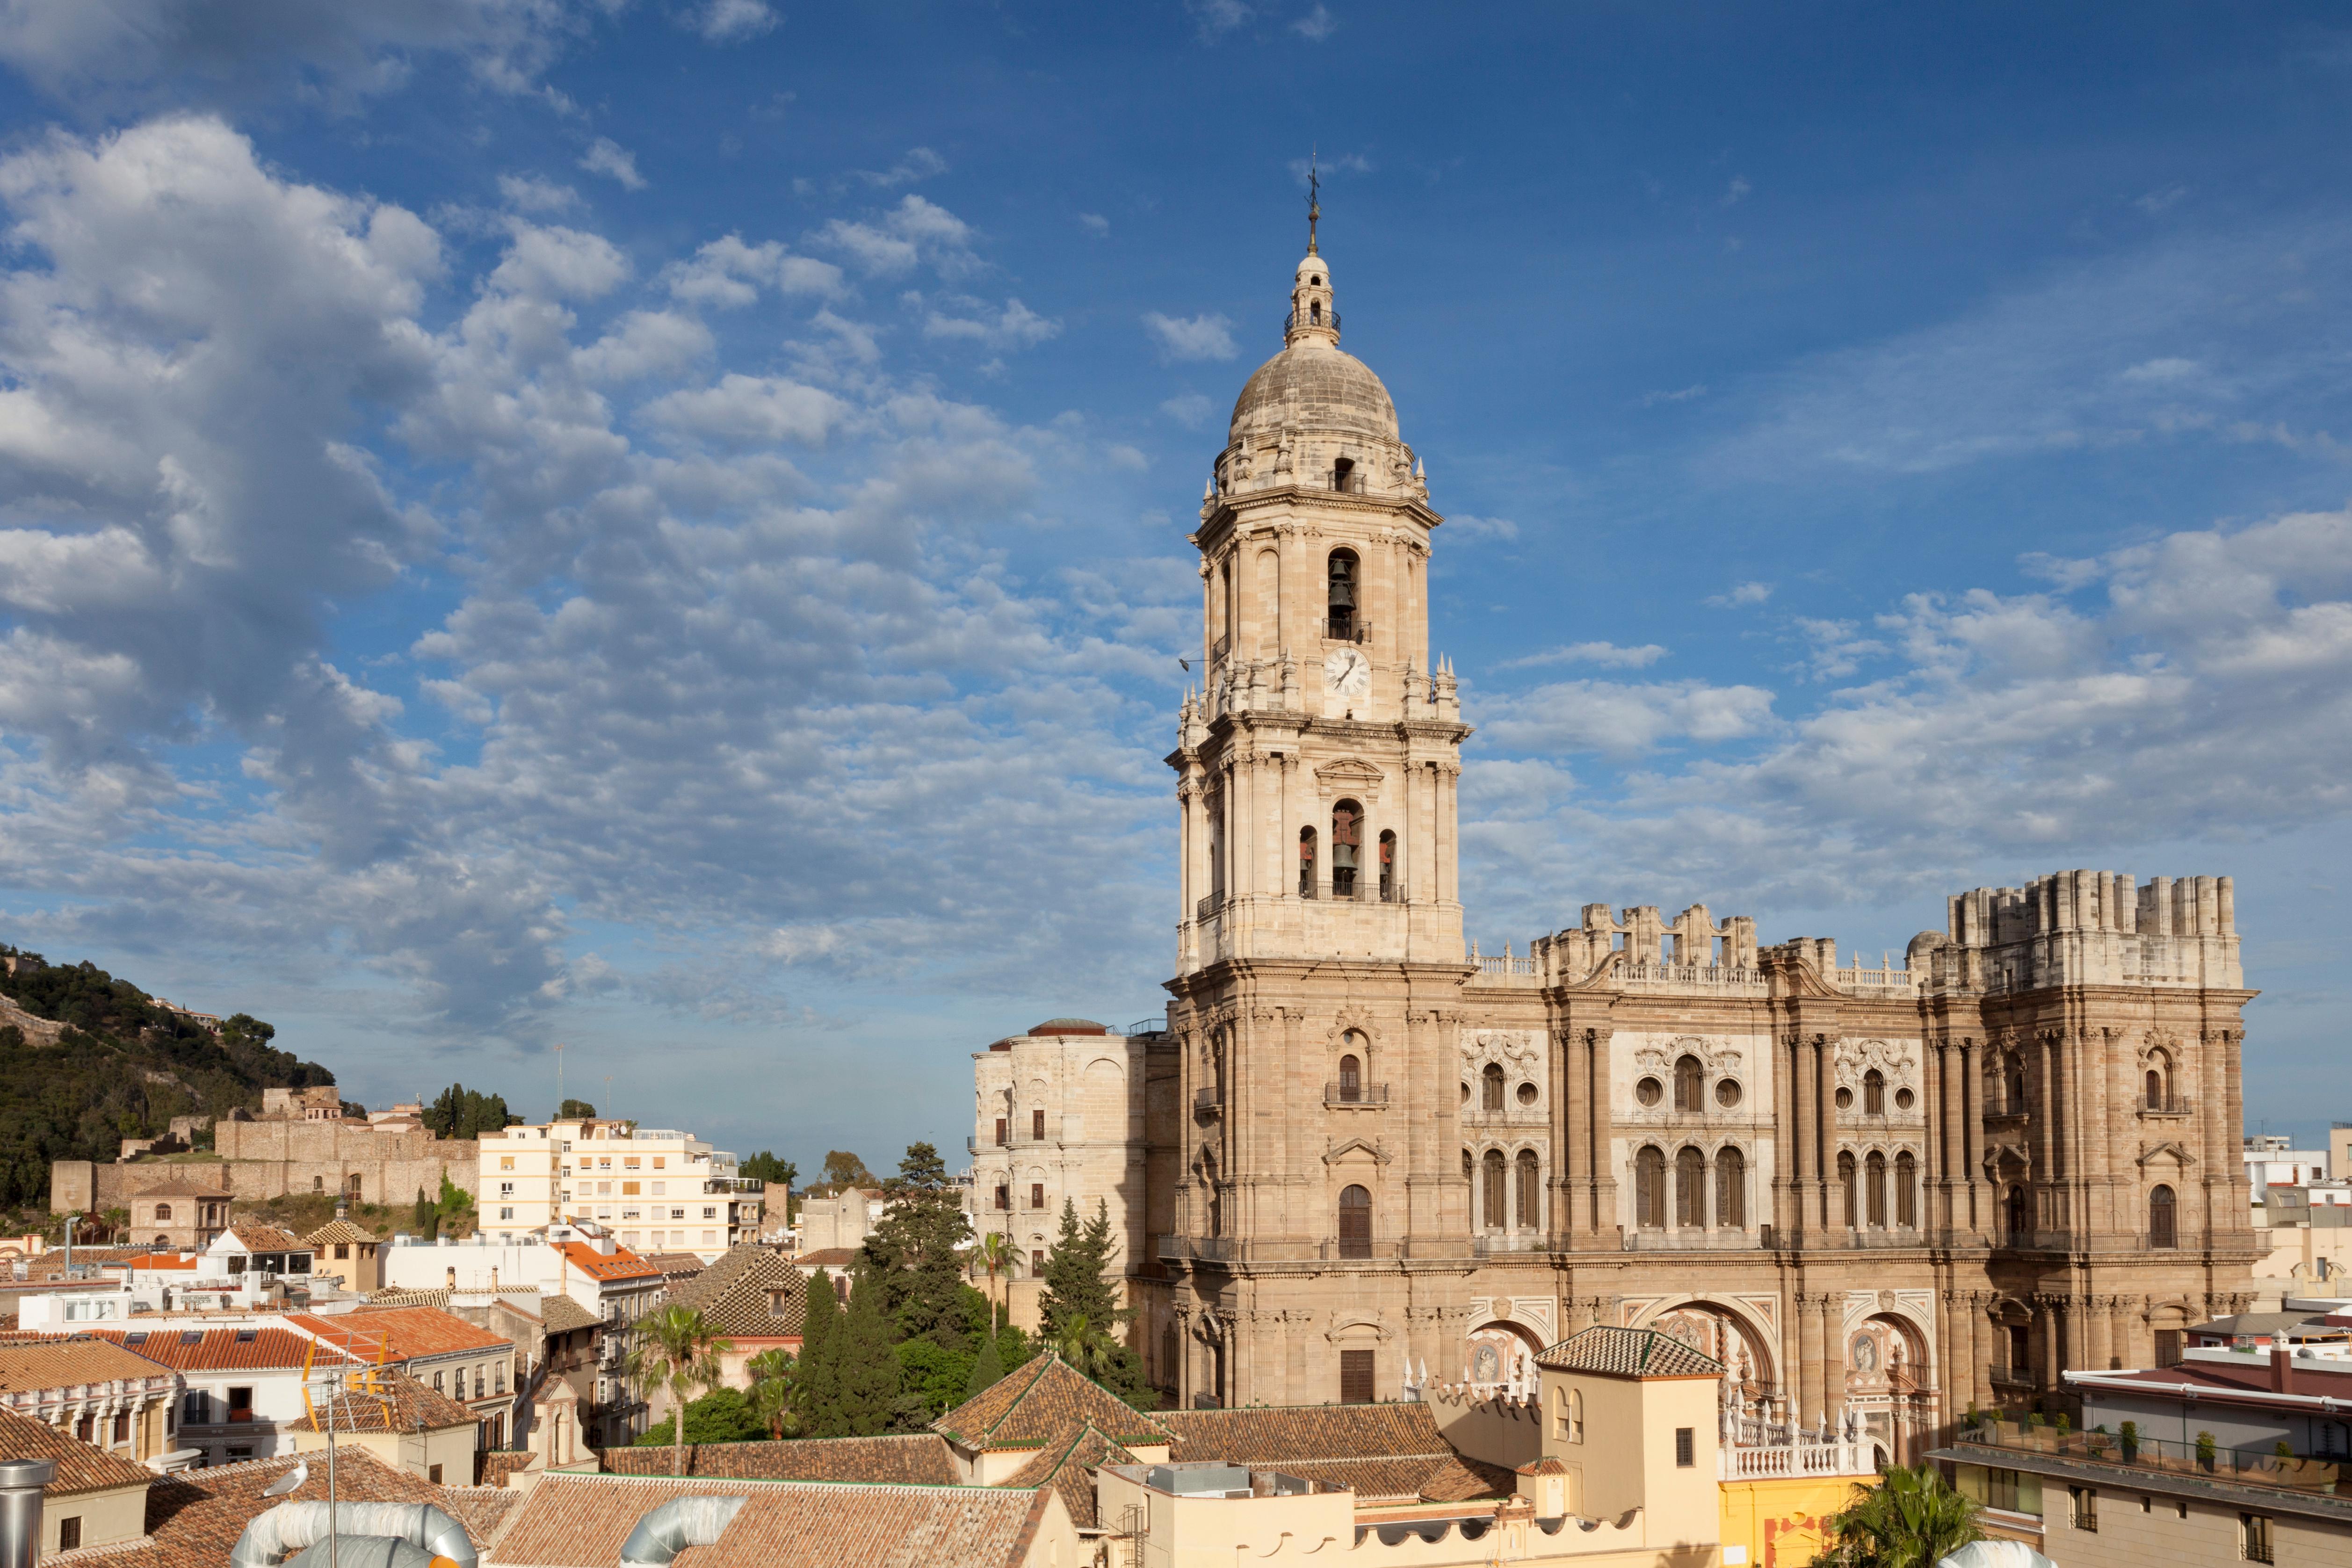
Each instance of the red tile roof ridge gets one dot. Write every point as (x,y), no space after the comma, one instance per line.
(619,1475)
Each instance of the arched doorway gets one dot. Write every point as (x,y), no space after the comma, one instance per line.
(1889,1385)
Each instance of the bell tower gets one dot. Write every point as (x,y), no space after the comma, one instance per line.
(1317,761)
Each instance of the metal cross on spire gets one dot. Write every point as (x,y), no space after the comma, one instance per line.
(1314,201)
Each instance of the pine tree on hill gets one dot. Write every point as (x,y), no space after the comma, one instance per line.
(816,1391)
(866,1371)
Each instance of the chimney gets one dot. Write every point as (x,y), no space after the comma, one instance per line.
(2281,1366)
(21,1482)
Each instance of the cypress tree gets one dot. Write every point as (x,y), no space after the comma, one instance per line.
(865,1369)
(916,1255)
(986,1371)
(1067,1287)
(817,1386)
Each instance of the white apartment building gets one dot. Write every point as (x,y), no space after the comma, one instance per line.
(2271,1163)
(653,1188)
(1059,1113)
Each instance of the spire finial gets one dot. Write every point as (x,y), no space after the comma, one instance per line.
(1314,195)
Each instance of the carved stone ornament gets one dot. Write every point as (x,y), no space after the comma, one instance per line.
(1894,1059)
(1520,1051)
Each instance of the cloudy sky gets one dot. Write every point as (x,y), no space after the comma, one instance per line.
(657,525)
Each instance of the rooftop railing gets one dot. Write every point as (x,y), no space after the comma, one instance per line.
(2193,1461)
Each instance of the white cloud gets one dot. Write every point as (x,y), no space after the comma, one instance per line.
(529,194)
(1624,720)
(1201,337)
(747,410)
(732,21)
(1462,526)
(1094,223)
(607,157)
(2155,203)
(2168,369)
(1014,327)
(1215,18)
(920,163)
(1737,191)
(1317,24)
(1608,654)
(1194,411)
(726,273)
(915,230)
(1741,594)
(1681,394)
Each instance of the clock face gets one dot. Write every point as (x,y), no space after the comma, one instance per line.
(1347,672)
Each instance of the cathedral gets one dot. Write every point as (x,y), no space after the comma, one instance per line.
(1359,1158)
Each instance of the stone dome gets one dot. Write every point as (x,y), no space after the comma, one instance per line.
(1311,385)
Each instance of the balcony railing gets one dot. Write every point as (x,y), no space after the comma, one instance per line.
(2167,1105)
(1147,1026)
(1491,1243)
(1693,1239)
(2326,1477)
(1208,906)
(1335,1250)
(1355,1094)
(734,1184)
(1297,319)
(1209,1248)
(1347,628)
(1208,1101)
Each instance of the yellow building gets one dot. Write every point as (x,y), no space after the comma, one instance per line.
(1779,1522)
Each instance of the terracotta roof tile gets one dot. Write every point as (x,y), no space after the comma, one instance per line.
(182,1187)
(195,1517)
(266,1238)
(405,1333)
(1628,1353)
(1069,1471)
(1385,1453)
(421,1296)
(918,1458)
(581,1521)
(80,1466)
(561,1314)
(734,1292)
(484,1510)
(391,1402)
(826,1258)
(618,1264)
(335,1231)
(1043,1404)
(247,1349)
(498,1464)
(61,1362)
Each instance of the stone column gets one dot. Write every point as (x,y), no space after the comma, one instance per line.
(1980,1313)
(2097,1336)
(1572,1196)
(1789,1143)
(1810,1406)
(1825,1101)
(1831,1305)
(1605,1163)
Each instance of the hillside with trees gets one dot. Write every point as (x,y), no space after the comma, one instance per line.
(122,1067)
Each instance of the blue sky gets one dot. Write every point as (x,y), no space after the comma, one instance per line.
(659,526)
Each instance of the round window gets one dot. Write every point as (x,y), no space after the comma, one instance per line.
(1903,1099)
(1465,1094)
(1527,1093)
(1845,1098)
(1649,1092)
(1726,1093)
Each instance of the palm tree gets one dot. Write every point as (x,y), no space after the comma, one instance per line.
(1086,1348)
(772,1387)
(1909,1519)
(678,1349)
(995,1253)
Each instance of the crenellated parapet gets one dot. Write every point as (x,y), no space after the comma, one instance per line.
(2087,928)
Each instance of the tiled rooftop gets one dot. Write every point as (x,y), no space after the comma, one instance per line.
(80,1466)
(195,1517)
(61,1363)
(1043,1404)
(388,1402)
(918,1458)
(1385,1453)
(1069,1471)
(734,1292)
(1628,1353)
(266,1238)
(246,1349)
(405,1333)
(581,1521)
(619,1264)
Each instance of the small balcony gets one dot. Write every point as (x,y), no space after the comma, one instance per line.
(1209,1101)
(1498,1243)
(1349,1096)
(1199,1248)
(2167,1105)
(1207,907)
(1297,319)
(733,1184)
(2327,1476)
(1348,628)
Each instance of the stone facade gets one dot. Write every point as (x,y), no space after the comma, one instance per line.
(272,1158)
(1877,1193)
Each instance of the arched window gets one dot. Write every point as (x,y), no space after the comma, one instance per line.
(163,1213)
(1495,1195)
(1347,837)
(1873,1093)
(2017,1215)
(1355,1222)
(1341,595)
(1688,1078)
(162,1241)
(1568,1414)
(2016,1082)
(2162,1231)
(1490,1087)
(1846,1190)
(2155,1090)
(1874,1168)
(1467,1168)
(1907,1190)
(1351,1080)
(1343,473)
(2159,1080)
(1388,868)
(1649,1189)
(1531,1195)
(318,1183)
(1315,312)
(1690,1189)
(1731,1190)
(1209,1184)
(1307,869)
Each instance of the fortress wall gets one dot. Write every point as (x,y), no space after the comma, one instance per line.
(261,1160)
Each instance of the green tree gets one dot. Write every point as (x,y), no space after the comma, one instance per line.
(1081,1287)
(722,1415)
(677,1348)
(773,1371)
(932,1381)
(915,1256)
(867,1373)
(996,1255)
(986,1372)
(574,1109)
(461,1113)
(456,1202)
(843,1168)
(1910,1519)
(425,1217)
(816,1389)
(771,1168)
